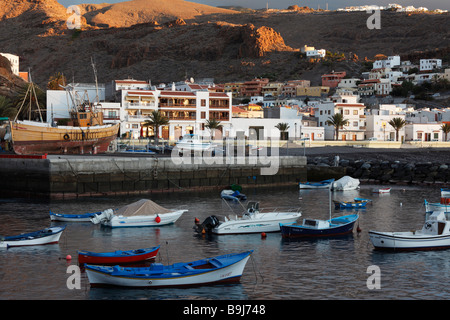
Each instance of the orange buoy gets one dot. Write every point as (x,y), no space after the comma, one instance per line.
(158,219)
(263,235)
(197,220)
(203,231)
(68,257)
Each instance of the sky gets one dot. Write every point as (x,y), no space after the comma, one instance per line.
(283,4)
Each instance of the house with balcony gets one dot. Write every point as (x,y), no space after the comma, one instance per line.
(332,80)
(253,87)
(377,123)
(347,104)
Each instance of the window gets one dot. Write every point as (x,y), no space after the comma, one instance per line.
(355,112)
(347,112)
(203,115)
(203,102)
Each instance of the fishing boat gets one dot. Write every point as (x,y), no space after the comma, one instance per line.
(84,217)
(142,213)
(357,203)
(316,185)
(434,235)
(381,190)
(253,220)
(84,132)
(445,193)
(436,207)
(314,228)
(45,236)
(118,256)
(221,269)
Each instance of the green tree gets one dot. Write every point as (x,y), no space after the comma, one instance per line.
(212,125)
(7,108)
(446,130)
(283,127)
(337,121)
(156,120)
(397,124)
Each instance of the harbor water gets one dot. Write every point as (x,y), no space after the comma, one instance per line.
(332,269)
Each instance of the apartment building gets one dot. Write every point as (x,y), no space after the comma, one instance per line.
(253,87)
(430,64)
(332,80)
(347,104)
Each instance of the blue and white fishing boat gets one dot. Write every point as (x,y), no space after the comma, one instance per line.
(434,235)
(325,184)
(436,207)
(45,236)
(84,217)
(221,269)
(357,203)
(313,228)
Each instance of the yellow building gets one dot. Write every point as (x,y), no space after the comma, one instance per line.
(312,91)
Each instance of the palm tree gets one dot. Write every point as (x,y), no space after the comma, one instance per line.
(283,127)
(446,129)
(397,124)
(212,125)
(7,108)
(337,121)
(156,120)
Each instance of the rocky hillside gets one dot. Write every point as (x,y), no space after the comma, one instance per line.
(171,39)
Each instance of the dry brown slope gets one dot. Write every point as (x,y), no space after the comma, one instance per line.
(128,13)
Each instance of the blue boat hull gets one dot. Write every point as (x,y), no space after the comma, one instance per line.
(300,231)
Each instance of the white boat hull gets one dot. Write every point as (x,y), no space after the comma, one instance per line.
(410,240)
(260,222)
(226,274)
(54,238)
(143,221)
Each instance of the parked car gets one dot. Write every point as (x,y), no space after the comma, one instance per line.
(372,139)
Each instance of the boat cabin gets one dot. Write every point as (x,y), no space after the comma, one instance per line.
(316,224)
(87,119)
(436,224)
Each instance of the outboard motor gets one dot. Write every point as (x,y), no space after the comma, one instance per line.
(210,223)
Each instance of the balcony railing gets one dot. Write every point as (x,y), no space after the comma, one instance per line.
(140,105)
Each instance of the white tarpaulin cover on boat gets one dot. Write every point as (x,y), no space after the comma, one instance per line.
(143,207)
(346,183)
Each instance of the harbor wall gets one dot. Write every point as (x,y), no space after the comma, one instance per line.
(71,177)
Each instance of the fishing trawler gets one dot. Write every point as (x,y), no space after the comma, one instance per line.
(85,131)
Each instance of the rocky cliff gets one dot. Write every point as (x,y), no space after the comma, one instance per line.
(166,40)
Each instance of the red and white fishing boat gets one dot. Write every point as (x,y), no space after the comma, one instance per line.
(118,256)
(382,190)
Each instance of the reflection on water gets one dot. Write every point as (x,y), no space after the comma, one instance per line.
(280,269)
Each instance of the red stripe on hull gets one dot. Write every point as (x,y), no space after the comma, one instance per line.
(112,260)
(62,147)
(233,280)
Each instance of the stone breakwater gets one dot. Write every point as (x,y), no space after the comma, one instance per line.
(382,171)
(84,176)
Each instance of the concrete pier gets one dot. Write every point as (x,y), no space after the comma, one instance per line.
(89,175)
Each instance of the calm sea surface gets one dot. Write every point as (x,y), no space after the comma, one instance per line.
(279,269)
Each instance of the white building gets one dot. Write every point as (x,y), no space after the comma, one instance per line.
(378,123)
(390,62)
(347,104)
(265,127)
(14,60)
(430,64)
(423,131)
